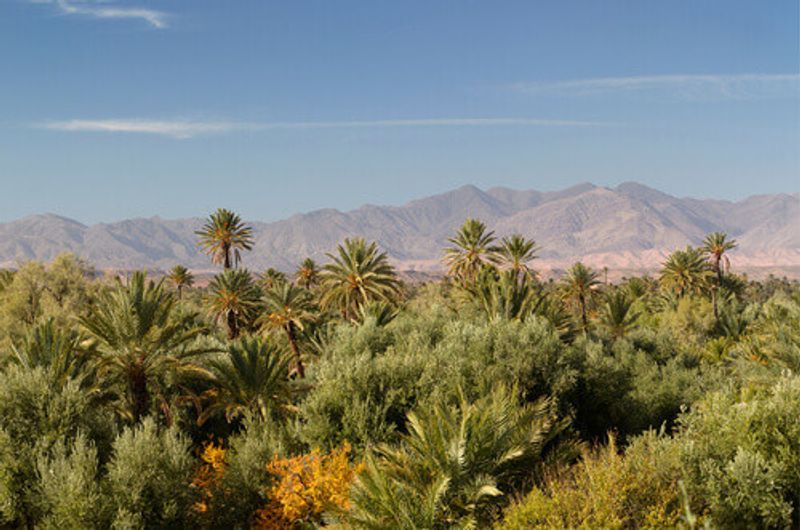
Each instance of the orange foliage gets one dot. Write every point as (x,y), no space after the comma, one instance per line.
(209,473)
(305,486)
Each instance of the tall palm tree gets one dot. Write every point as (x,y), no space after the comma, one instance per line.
(580,284)
(715,246)
(357,275)
(307,274)
(516,252)
(288,308)
(234,298)
(685,272)
(181,278)
(472,249)
(252,375)
(457,466)
(224,236)
(141,342)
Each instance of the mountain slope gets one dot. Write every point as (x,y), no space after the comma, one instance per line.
(630,226)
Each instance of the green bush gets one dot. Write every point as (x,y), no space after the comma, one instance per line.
(742,458)
(607,490)
(69,493)
(149,478)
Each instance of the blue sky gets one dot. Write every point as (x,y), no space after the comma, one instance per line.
(119,108)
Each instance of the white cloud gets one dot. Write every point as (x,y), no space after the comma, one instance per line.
(175,129)
(187,129)
(102,9)
(720,86)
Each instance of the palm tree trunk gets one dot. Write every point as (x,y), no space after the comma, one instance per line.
(140,395)
(584,319)
(233,326)
(714,302)
(298,361)
(227,250)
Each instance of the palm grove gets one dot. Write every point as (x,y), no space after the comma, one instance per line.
(341,396)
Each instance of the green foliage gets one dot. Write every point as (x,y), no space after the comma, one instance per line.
(141,346)
(234,298)
(357,274)
(69,493)
(242,489)
(38,417)
(373,376)
(251,376)
(458,464)
(686,272)
(149,478)
(607,490)
(224,236)
(742,457)
(122,407)
(472,248)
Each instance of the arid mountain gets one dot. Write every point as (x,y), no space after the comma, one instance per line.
(627,227)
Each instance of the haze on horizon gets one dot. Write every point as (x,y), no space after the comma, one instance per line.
(133,108)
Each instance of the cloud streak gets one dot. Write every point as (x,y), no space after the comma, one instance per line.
(182,129)
(95,9)
(719,86)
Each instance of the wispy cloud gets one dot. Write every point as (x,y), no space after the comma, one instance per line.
(103,10)
(182,129)
(725,86)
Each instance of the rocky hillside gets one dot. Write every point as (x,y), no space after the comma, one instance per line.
(627,227)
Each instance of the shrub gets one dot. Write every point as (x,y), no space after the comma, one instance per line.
(234,481)
(149,478)
(305,487)
(742,457)
(69,493)
(607,490)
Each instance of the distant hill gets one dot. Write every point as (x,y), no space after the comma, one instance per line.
(627,227)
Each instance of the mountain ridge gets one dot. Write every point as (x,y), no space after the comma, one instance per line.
(627,226)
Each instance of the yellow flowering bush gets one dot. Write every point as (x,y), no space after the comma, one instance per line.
(209,473)
(305,486)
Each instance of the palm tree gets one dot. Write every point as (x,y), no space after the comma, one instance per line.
(307,274)
(288,308)
(472,249)
(617,314)
(141,342)
(685,271)
(224,236)
(715,246)
(457,465)
(504,294)
(180,277)
(60,352)
(516,252)
(272,277)
(359,274)
(580,284)
(234,298)
(380,312)
(252,375)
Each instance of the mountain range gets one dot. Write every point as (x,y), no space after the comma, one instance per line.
(629,227)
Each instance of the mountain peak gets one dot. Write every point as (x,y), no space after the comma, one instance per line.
(627,224)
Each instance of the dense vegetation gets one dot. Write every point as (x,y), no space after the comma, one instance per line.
(339,395)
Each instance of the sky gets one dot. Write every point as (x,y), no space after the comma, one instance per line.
(111,109)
